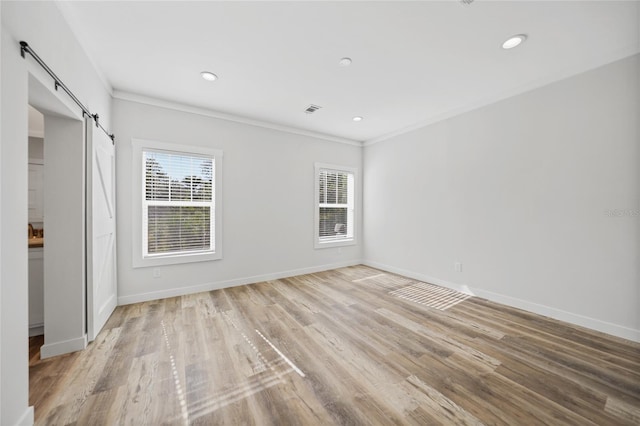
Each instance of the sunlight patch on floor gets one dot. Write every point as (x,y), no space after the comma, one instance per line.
(431,295)
(176,378)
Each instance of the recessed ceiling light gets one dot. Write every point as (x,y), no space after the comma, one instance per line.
(357,118)
(209,76)
(345,62)
(514,41)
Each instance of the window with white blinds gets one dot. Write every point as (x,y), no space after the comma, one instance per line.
(335,197)
(178,203)
(179,209)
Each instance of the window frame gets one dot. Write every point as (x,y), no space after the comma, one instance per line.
(139,146)
(347,241)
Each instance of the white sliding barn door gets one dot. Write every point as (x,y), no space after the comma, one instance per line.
(102,286)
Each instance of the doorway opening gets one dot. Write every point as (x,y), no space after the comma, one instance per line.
(57,220)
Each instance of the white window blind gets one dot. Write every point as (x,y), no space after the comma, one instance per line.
(335,205)
(178,203)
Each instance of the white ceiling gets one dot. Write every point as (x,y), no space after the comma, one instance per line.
(413,62)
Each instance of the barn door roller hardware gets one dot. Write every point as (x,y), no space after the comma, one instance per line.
(58,84)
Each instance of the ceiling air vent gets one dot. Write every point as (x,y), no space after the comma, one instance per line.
(466,2)
(312,108)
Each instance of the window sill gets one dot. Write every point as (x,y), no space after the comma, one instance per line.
(176,259)
(335,243)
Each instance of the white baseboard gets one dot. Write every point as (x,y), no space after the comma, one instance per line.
(36,330)
(181,291)
(570,317)
(64,347)
(559,314)
(27,418)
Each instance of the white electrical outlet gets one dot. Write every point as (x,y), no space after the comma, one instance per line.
(457,266)
(156,272)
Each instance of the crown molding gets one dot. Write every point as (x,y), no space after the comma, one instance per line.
(535,84)
(141,99)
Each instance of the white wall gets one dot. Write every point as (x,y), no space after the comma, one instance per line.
(518,192)
(1,223)
(268,201)
(42,26)
(13,269)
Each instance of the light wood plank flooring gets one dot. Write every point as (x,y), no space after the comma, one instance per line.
(337,347)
